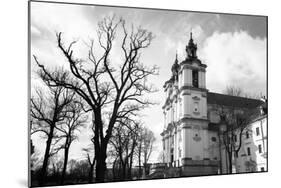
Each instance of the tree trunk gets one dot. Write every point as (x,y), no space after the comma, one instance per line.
(230,162)
(140,161)
(131,160)
(130,169)
(43,170)
(90,178)
(66,151)
(101,165)
(124,170)
(114,169)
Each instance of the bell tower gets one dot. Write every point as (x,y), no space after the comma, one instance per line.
(193,120)
(192,84)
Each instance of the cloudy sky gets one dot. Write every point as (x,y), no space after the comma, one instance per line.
(232,46)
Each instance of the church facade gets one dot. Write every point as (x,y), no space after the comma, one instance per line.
(194,123)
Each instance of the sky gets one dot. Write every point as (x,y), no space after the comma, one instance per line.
(232,46)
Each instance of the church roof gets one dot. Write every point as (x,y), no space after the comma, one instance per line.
(233,101)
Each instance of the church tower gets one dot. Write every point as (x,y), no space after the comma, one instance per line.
(193,120)
(186,134)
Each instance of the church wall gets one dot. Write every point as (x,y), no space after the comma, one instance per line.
(194,105)
(180,145)
(213,117)
(196,140)
(175,137)
(187,73)
(197,144)
(185,133)
(180,82)
(200,79)
(185,107)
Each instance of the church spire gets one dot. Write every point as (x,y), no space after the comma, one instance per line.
(191,48)
(175,66)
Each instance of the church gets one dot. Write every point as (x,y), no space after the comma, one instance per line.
(210,133)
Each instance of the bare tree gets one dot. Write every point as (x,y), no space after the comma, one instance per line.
(104,86)
(239,92)
(46,113)
(235,122)
(91,161)
(78,170)
(74,121)
(161,157)
(124,142)
(234,91)
(148,141)
(56,167)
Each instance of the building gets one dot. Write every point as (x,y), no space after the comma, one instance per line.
(252,156)
(195,123)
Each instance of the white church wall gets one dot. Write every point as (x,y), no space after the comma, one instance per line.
(200,77)
(196,144)
(203,79)
(180,80)
(187,77)
(197,105)
(186,105)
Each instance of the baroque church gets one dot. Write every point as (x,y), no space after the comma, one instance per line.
(198,136)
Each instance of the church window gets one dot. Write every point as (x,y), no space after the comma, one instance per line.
(172,154)
(260,149)
(195,78)
(248,151)
(257,131)
(247,134)
(214,139)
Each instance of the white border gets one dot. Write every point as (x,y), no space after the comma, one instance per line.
(13,72)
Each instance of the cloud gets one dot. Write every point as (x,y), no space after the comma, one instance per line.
(235,58)
(179,39)
(35,31)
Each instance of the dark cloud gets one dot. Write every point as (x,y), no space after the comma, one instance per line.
(169,21)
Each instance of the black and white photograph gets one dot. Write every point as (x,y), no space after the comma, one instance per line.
(127,93)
